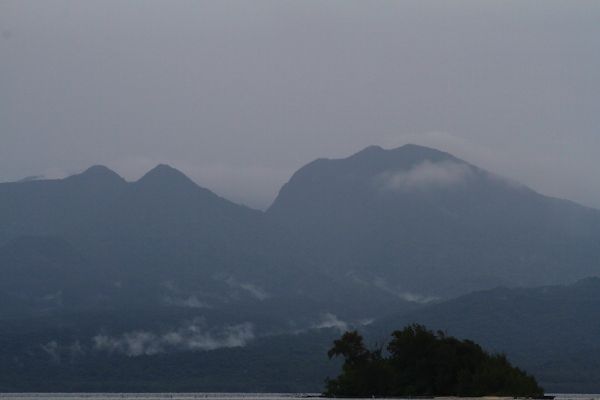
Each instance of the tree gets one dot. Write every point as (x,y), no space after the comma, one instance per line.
(364,372)
(420,362)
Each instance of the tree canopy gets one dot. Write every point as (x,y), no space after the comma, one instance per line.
(419,362)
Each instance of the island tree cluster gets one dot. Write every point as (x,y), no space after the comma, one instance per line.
(419,362)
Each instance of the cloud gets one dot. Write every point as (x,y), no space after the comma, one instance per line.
(190,302)
(193,336)
(60,352)
(417,298)
(407,296)
(52,349)
(75,350)
(254,290)
(329,320)
(426,175)
(177,297)
(55,297)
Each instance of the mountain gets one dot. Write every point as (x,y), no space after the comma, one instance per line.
(379,230)
(551,331)
(164,217)
(99,271)
(161,242)
(271,364)
(57,206)
(423,224)
(34,271)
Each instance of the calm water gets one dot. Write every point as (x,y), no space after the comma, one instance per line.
(151,396)
(207,396)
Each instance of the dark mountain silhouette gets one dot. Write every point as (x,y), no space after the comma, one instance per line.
(165,241)
(346,241)
(379,228)
(418,220)
(551,332)
(55,207)
(42,275)
(164,217)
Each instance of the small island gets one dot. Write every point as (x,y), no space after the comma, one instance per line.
(419,362)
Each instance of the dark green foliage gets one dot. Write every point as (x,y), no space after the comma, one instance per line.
(423,363)
(364,372)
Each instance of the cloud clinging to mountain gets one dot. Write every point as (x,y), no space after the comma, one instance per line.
(426,175)
(193,336)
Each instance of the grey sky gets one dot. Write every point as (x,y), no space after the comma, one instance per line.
(240,94)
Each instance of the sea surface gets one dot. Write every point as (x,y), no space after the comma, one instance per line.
(220,396)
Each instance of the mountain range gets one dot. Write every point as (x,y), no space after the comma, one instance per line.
(163,266)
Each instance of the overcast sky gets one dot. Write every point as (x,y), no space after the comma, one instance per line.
(238,95)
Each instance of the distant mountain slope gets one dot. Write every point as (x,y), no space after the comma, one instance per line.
(275,364)
(165,222)
(397,227)
(552,332)
(422,223)
(54,207)
(33,276)
(162,241)
(160,225)
(144,265)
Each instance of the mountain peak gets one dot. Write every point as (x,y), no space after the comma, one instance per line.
(416,147)
(373,149)
(375,160)
(419,149)
(171,188)
(99,169)
(408,151)
(97,172)
(164,174)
